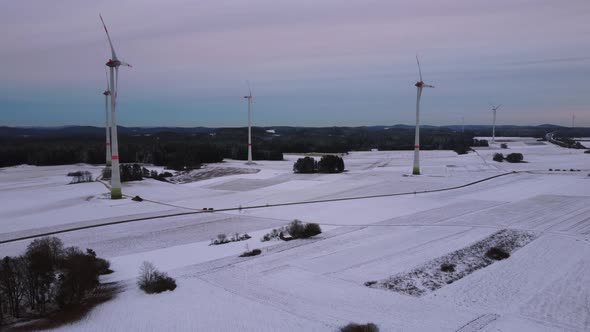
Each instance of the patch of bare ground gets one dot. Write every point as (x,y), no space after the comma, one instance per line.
(455,265)
(209,173)
(70,314)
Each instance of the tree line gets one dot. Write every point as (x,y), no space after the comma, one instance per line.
(179,150)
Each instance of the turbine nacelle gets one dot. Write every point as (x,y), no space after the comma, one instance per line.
(107,93)
(116,63)
(421,84)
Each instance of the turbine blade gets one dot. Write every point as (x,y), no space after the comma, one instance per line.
(249,90)
(114,55)
(419,69)
(126,64)
(428,86)
(497,107)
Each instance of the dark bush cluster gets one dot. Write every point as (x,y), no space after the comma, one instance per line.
(274,234)
(305,165)
(497,253)
(48,277)
(448,267)
(80,177)
(299,230)
(479,142)
(223,239)
(327,164)
(135,172)
(251,253)
(331,164)
(131,172)
(498,157)
(515,158)
(151,280)
(106,173)
(353,327)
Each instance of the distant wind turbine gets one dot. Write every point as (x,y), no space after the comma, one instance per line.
(420,85)
(462,124)
(573,120)
(249,97)
(106,94)
(494,109)
(113,64)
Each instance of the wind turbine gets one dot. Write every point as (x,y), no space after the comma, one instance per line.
(494,108)
(113,64)
(106,94)
(249,97)
(462,124)
(573,120)
(420,85)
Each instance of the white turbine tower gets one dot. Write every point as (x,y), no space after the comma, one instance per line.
(113,64)
(106,94)
(573,120)
(494,109)
(249,97)
(420,85)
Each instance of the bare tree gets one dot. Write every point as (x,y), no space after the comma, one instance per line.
(147,274)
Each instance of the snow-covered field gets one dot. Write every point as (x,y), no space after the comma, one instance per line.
(318,284)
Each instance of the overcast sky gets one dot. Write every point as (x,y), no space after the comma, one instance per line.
(310,62)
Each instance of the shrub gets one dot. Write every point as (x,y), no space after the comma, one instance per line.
(447,267)
(251,253)
(497,254)
(331,164)
(305,165)
(274,234)
(137,199)
(498,157)
(223,239)
(504,146)
(514,157)
(353,327)
(480,142)
(106,173)
(312,229)
(80,177)
(298,230)
(130,172)
(151,280)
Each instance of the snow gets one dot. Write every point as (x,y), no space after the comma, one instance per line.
(318,284)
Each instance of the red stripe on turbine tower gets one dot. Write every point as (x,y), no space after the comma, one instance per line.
(115,157)
(416,146)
